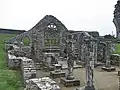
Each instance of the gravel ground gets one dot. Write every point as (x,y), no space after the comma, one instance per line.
(102,80)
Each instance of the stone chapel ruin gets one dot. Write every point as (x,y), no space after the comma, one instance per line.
(53,48)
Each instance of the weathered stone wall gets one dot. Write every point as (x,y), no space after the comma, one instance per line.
(28,68)
(78,39)
(50,30)
(41,32)
(15,61)
(116,19)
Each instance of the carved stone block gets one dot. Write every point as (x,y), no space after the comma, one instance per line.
(108,69)
(57,74)
(72,82)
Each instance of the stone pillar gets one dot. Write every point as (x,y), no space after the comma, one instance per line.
(89,64)
(33,51)
(108,53)
(70,60)
(33,46)
(40,37)
(108,50)
(70,80)
(95,52)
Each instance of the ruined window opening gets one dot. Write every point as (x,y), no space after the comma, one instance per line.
(52,26)
(26,41)
(51,42)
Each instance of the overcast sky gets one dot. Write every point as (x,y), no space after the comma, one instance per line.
(87,15)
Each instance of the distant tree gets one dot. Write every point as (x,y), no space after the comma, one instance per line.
(109,36)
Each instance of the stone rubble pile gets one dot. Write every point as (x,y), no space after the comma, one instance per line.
(13,61)
(16,61)
(44,83)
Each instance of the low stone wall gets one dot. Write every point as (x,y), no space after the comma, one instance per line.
(13,61)
(11,47)
(16,60)
(28,68)
(27,51)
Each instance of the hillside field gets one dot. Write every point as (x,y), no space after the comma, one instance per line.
(9,79)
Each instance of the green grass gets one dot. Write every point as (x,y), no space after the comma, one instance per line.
(117,51)
(9,79)
(26,41)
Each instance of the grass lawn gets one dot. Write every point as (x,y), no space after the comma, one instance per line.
(9,79)
(117,51)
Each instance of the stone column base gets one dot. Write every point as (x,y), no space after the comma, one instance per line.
(73,82)
(108,69)
(89,88)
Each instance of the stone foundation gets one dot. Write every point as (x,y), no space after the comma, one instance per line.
(72,82)
(57,74)
(89,88)
(108,69)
